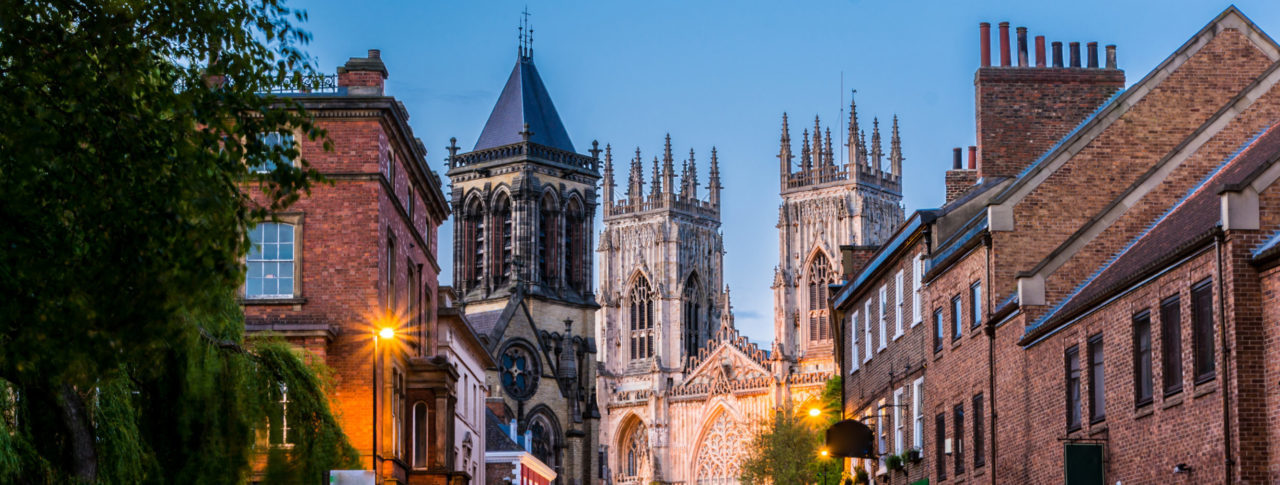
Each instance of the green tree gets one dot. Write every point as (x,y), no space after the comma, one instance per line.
(786,447)
(125,200)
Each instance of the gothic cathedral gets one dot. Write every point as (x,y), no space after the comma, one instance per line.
(679,387)
(524,205)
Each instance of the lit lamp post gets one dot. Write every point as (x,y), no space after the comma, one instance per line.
(822,474)
(386,333)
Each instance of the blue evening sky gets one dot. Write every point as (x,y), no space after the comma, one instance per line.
(721,73)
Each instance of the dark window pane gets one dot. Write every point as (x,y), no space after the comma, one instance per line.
(975,303)
(940,438)
(1073,388)
(1171,344)
(1097,385)
(957,328)
(979,455)
(957,446)
(1202,320)
(1142,382)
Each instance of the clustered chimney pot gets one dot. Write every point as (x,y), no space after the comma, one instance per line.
(1004,44)
(1111,56)
(984,42)
(1057,54)
(1022,47)
(1040,51)
(973,157)
(375,54)
(956,163)
(1093,55)
(1075,54)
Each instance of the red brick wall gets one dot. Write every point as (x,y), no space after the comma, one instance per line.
(1270,304)
(959,182)
(1023,111)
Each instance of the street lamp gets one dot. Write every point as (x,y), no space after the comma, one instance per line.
(386,333)
(822,472)
(815,412)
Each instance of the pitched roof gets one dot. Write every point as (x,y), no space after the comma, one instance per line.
(524,100)
(495,434)
(1187,223)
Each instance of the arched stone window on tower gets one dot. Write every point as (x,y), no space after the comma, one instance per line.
(819,276)
(503,240)
(634,466)
(548,239)
(641,300)
(575,267)
(691,316)
(473,242)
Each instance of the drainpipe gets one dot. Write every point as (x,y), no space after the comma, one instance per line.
(1218,237)
(990,330)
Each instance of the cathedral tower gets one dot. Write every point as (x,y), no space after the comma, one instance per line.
(827,203)
(524,205)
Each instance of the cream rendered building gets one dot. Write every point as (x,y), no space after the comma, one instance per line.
(680,390)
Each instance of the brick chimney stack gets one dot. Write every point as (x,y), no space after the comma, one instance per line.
(960,179)
(363,76)
(1023,109)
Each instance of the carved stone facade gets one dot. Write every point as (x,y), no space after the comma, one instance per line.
(826,204)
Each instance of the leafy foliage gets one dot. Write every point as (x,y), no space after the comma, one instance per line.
(124,140)
(786,446)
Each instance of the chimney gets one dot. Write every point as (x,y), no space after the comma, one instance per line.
(984,43)
(1111,56)
(973,157)
(956,162)
(1023,112)
(853,259)
(363,76)
(958,179)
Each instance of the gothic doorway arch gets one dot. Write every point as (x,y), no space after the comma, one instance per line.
(634,463)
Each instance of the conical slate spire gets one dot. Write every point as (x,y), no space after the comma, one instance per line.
(895,150)
(524,102)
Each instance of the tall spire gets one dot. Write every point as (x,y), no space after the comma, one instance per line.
(875,145)
(656,189)
(895,150)
(684,178)
(693,176)
(805,162)
(607,186)
(668,170)
(829,156)
(784,152)
(857,149)
(713,184)
(635,183)
(862,149)
(817,144)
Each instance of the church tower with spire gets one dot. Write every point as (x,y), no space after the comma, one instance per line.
(524,202)
(827,203)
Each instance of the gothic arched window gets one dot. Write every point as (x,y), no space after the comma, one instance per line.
(641,300)
(574,242)
(548,238)
(718,455)
(692,316)
(503,239)
(473,242)
(819,276)
(635,453)
(545,439)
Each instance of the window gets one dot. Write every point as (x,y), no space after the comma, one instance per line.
(957,312)
(1073,388)
(1097,385)
(917,412)
(270,261)
(899,421)
(391,169)
(1171,344)
(420,434)
(473,236)
(641,319)
(1142,381)
(939,438)
(819,275)
(397,408)
(897,312)
(273,143)
(882,436)
(979,453)
(1202,335)
(575,266)
(411,204)
(975,303)
(503,237)
(866,325)
(884,314)
(853,342)
(692,312)
(957,456)
(548,253)
(937,330)
(278,421)
(917,282)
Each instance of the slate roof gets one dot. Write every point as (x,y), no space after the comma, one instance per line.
(1187,224)
(495,434)
(524,100)
(484,322)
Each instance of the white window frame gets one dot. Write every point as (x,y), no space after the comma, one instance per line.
(884,310)
(917,283)
(975,297)
(261,259)
(880,436)
(897,316)
(853,342)
(274,139)
(899,423)
(917,411)
(866,325)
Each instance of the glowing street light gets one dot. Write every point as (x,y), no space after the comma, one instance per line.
(814,412)
(825,453)
(386,333)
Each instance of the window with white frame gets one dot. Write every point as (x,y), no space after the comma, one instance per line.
(917,282)
(272,142)
(270,261)
(279,419)
(881,434)
(917,414)
(897,314)
(866,326)
(853,342)
(899,421)
(884,315)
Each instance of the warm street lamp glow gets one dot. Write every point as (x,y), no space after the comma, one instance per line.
(387,332)
(824,452)
(815,412)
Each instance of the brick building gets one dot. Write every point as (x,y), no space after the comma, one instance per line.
(1095,291)
(359,255)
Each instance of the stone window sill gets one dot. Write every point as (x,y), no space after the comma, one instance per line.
(1171,401)
(1144,411)
(1205,388)
(270,301)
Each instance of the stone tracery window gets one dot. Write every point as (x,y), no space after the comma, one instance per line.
(641,300)
(820,275)
(691,316)
(548,238)
(519,371)
(503,240)
(719,453)
(544,439)
(574,260)
(473,241)
(635,454)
